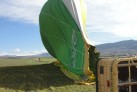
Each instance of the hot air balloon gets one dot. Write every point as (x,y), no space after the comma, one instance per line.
(63,33)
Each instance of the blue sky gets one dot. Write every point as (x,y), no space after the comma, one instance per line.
(107,21)
(15,34)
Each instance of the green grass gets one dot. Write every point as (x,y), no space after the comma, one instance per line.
(30,75)
(24,61)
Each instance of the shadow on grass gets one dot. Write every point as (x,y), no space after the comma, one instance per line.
(32,77)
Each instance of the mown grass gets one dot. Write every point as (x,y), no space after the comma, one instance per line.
(30,75)
(24,61)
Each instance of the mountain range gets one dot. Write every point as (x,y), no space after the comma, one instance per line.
(27,56)
(122,48)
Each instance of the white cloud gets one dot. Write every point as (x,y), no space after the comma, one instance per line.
(21,10)
(25,53)
(3,53)
(114,16)
(19,52)
(16,51)
(124,30)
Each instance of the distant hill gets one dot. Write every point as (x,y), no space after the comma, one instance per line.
(42,55)
(28,56)
(122,48)
(127,47)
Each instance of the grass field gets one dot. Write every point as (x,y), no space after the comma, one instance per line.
(30,75)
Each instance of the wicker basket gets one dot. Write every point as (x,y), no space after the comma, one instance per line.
(117,75)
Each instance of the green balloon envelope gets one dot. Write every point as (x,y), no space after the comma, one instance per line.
(62,36)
